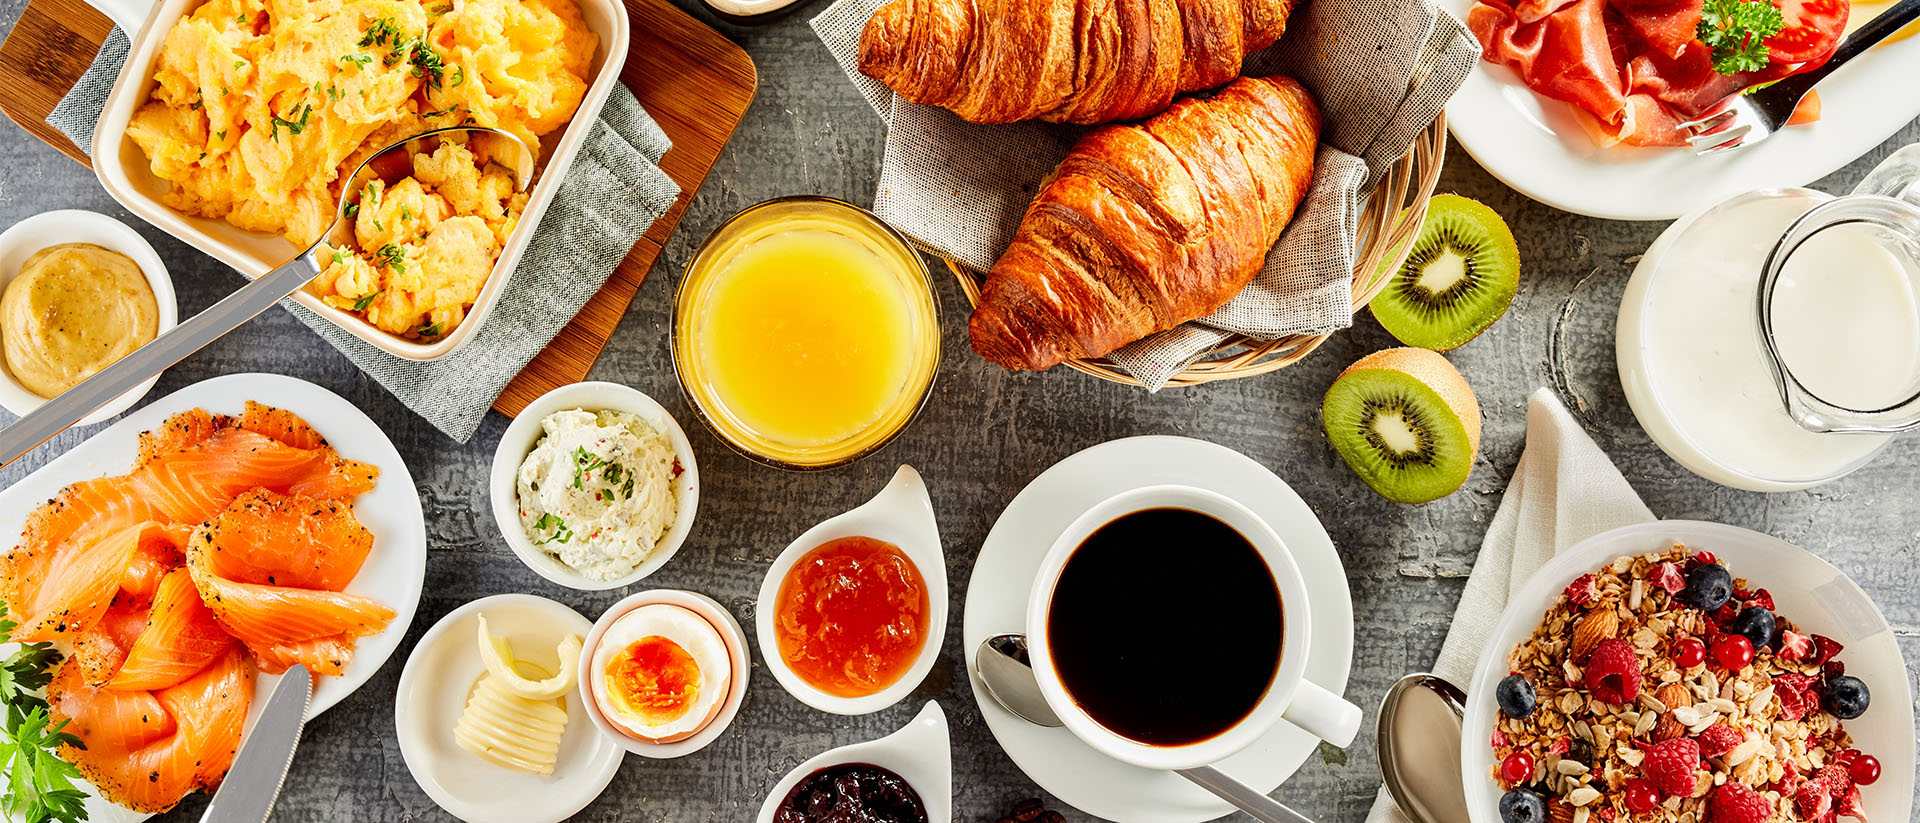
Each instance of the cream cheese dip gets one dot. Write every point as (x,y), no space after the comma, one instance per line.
(597,491)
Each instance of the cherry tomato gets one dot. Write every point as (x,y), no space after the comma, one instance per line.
(1813,28)
(1864,769)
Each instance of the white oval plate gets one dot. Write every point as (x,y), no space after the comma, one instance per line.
(997,603)
(433,693)
(1809,591)
(394,569)
(1536,146)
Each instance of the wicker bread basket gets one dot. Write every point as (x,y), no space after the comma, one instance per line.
(1388,223)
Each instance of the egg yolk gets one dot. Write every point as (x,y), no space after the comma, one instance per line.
(655,680)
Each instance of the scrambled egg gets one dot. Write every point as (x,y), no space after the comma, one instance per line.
(261,106)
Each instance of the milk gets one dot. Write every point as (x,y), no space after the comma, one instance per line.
(1690,350)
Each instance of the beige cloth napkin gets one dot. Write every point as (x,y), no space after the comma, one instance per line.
(1381,71)
(1564,490)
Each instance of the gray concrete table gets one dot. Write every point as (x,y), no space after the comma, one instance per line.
(985,433)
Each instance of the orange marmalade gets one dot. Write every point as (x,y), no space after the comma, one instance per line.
(852,616)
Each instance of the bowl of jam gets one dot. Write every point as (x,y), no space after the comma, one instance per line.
(905,777)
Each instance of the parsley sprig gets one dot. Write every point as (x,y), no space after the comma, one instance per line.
(293,127)
(561,534)
(1736,31)
(39,785)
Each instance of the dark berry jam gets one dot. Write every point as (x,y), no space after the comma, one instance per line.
(852,793)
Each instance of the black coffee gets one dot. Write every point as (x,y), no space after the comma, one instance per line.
(1165,627)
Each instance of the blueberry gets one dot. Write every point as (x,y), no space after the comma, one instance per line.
(1515,696)
(1846,697)
(1755,624)
(1522,805)
(1709,587)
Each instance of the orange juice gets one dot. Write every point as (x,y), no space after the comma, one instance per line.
(805,332)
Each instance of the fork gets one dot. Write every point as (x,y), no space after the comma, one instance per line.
(1748,118)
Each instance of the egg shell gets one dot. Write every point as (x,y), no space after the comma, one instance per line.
(699,638)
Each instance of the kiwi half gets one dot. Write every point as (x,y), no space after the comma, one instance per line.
(1458,278)
(1407,423)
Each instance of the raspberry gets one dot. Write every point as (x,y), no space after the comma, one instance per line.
(1795,694)
(1789,779)
(1847,804)
(1813,800)
(1836,777)
(1794,645)
(1725,614)
(1824,649)
(1719,739)
(1762,599)
(1668,577)
(1738,803)
(1613,673)
(1832,669)
(1671,765)
(1582,590)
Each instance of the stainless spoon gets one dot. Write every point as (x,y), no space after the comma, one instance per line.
(57,414)
(1418,734)
(1006,672)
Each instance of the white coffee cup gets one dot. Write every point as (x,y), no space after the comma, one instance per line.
(1289,696)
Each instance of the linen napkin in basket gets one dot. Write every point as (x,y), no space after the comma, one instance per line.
(613,192)
(1563,491)
(1380,69)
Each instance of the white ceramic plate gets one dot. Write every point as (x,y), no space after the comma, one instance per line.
(394,569)
(1536,146)
(997,603)
(433,693)
(1806,589)
(51,228)
(525,432)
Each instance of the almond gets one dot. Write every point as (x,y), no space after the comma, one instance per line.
(1674,696)
(1598,625)
(1559,812)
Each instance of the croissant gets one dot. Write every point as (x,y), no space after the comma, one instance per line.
(1144,227)
(1073,61)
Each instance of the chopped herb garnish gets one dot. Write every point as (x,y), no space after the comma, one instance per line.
(353,210)
(406,214)
(339,257)
(360,60)
(220,135)
(561,534)
(294,127)
(362,303)
(392,257)
(243,18)
(427,64)
(459,75)
(583,463)
(239,64)
(434,331)
(380,32)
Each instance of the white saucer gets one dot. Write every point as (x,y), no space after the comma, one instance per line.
(433,692)
(997,603)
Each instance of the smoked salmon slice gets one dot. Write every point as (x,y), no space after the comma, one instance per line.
(180,432)
(284,540)
(62,588)
(99,652)
(180,637)
(281,425)
(282,624)
(146,750)
(193,484)
(158,552)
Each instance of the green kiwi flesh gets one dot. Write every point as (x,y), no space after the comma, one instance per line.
(1459,277)
(1409,427)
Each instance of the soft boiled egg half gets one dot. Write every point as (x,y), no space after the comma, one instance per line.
(661,672)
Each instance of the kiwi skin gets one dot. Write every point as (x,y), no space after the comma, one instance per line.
(1471,230)
(1404,368)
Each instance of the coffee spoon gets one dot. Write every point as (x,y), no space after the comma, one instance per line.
(1418,734)
(1006,672)
(58,413)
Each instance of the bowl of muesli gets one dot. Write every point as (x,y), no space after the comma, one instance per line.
(1689,672)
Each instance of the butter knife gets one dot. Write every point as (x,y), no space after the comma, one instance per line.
(253,783)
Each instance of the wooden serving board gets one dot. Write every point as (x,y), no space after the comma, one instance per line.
(696,83)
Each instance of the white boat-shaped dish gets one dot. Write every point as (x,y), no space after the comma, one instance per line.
(433,694)
(394,569)
(901,514)
(525,432)
(921,753)
(730,633)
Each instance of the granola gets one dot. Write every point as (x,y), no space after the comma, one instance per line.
(1625,715)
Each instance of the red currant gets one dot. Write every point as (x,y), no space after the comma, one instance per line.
(1864,769)
(1642,797)
(1689,652)
(1733,652)
(1517,768)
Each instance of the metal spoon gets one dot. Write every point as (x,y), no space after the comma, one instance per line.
(1006,672)
(1418,734)
(55,415)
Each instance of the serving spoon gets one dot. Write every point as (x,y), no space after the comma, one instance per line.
(1007,674)
(393,162)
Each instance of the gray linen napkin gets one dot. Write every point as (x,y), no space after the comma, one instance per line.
(614,191)
(1380,69)
(1564,490)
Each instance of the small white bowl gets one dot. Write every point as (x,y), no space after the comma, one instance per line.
(921,753)
(730,632)
(433,693)
(525,432)
(52,228)
(901,514)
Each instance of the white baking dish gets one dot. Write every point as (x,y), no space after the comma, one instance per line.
(124,171)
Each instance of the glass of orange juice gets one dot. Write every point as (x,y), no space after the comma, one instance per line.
(805,332)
